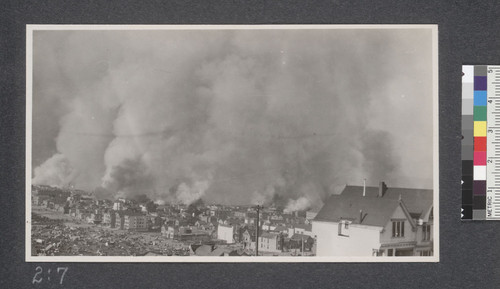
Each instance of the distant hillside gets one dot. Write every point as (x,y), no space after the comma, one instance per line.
(57,192)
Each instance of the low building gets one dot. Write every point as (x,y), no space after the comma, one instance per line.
(170,232)
(117,206)
(248,239)
(301,242)
(188,234)
(280,230)
(250,218)
(155,223)
(239,214)
(135,222)
(304,229)
(96,218)
(83,213)
(201,225)
(109,219)
(376,221)
(72,211)
(119,220)
(37,200)
(48,204)
(270,242)
(268,226)
(276,217)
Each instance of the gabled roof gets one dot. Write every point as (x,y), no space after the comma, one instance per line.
(376,210)
(313,210)
(222,250)
(250,231)
(298,237)
(238,252)
(151,253)
(218,252)
(280,228)
(416,200)
(130,213)
(306,227)
(233,221)
(203,250)
(268,235)
(194,247)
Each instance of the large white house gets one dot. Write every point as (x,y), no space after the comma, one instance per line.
(375,221)
(270,242)
(226,233)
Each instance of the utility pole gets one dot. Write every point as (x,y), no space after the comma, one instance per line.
(258,207)
(302,242)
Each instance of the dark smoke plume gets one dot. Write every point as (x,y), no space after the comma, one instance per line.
(236,117)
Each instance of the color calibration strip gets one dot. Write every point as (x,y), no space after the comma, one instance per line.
(481,142)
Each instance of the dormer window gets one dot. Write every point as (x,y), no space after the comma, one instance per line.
(426,232)
(398,228)
(344,228)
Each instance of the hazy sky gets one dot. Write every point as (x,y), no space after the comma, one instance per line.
(232,116)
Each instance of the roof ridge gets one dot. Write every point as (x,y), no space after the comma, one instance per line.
(390,187)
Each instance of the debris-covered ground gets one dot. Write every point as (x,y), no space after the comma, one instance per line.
(57,234)
(53,237)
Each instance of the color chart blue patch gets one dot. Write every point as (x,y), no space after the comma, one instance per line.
(480,97)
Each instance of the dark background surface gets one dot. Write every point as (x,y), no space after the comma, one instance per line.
(470,251)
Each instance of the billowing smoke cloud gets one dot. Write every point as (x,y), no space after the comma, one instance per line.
(129,177)
(234,117)
(265,197)
(56,171)
(189,194)
(299,204)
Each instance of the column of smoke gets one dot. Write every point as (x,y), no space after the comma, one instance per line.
(220,116)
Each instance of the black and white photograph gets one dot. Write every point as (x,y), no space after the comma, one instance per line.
(232,143)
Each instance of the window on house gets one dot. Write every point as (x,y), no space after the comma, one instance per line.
(426,232)
(344,228)
(398,229)
(377,252)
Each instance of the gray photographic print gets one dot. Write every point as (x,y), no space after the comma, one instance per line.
(232,143)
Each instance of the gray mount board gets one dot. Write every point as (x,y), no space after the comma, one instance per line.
(469,251)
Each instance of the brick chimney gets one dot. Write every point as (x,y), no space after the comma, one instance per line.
(382,188)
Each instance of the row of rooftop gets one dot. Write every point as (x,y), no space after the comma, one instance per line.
(362,220)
